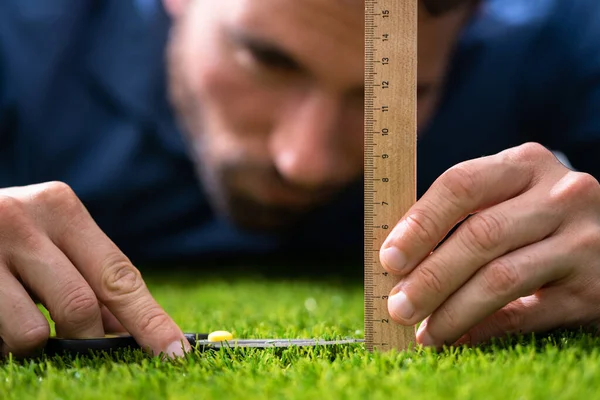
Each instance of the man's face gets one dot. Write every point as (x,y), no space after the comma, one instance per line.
(270,94)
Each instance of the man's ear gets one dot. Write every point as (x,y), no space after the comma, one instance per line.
(175,7)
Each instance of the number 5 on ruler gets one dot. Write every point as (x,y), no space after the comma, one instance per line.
(390,152)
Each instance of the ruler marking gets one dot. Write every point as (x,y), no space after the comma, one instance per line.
(390,127)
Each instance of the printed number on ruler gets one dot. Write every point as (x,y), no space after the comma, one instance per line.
(390,151)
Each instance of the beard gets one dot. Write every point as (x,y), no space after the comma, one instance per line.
(233,187)
(221,184)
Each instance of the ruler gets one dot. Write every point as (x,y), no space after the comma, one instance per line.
(390,153)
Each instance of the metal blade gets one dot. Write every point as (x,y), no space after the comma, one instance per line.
(268,343)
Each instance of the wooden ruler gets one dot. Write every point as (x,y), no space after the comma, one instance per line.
(390,152)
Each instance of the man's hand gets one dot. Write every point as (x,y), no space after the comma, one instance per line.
(52,251)
(527,260)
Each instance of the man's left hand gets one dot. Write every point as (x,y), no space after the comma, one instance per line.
(527,259)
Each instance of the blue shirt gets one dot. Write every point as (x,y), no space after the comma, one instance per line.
(82,100)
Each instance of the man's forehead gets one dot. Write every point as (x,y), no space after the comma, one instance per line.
(434,7)
(350,5)
(331,17)
(326,36)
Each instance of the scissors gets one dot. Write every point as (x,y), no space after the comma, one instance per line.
(60,346)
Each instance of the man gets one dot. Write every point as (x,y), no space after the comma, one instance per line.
(269,98)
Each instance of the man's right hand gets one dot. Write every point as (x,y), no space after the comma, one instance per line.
(53,252)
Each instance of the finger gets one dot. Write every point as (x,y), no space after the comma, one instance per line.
(484,237)
(110,322)
(499,283)
(541,312)
(48,273)
(462,190)
(23,328)
(117,283)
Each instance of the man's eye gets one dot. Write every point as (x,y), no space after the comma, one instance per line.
(274,60)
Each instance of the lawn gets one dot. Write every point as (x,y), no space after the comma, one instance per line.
(560,365)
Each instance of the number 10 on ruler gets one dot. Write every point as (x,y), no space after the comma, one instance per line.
(390,152)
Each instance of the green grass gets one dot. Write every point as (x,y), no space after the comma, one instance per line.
(560,365)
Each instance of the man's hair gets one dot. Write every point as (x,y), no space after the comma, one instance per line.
(439,7)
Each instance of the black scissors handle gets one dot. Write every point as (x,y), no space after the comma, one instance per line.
(58,346)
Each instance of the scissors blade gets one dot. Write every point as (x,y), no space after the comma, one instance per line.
(270,343)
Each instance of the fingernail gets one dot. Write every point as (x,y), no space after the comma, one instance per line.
(177,349)
(400,307)
(393,259)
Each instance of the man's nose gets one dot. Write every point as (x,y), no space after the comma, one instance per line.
(308,144)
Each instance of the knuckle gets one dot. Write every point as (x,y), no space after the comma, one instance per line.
(79,307)
(461,182)
(120,278)
(31,334)
(449,318)
(500,278)
(590,185)
(584,184)
(153,319)
(429,276)
(422,226)
(509,320)
(8,205)
(12,211)
(531,151)
(16,224)
(57,196)
(483,232)
(575,186)
(56,189)
(588,242)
